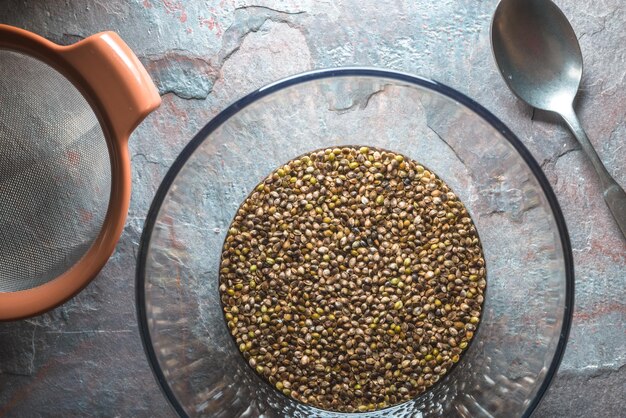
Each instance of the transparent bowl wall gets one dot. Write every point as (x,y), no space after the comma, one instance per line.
(529,297)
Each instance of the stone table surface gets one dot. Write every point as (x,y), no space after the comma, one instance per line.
(85,358)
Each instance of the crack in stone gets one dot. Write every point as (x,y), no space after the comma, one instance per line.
(15,373)
(147,160)
(165,68)
(445,142)
(252,6)
(592,373)
(360,103)
(183,96)
(248,19)
(250,27)
(232,52)
(613,132)
(369,97)
(342,110)
(553,160)
(66,38)
(439,136)
(602,28)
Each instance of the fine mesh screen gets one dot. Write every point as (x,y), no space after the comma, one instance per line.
(55,173)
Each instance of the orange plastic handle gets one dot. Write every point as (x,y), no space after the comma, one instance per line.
(122,94)
(103,67)
(117,77)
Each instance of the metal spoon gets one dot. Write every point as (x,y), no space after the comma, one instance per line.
(538,55)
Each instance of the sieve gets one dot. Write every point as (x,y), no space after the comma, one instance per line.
(66,113)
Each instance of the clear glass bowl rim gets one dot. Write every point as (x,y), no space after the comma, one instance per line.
(285,83)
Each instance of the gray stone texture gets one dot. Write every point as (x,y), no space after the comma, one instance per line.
(85,358)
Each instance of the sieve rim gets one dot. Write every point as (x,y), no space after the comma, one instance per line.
(121,94)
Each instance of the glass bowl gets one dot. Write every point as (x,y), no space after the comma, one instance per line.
(529,298)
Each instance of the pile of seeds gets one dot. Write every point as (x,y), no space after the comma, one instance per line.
(352,279)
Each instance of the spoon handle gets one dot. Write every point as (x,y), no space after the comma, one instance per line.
(614,195)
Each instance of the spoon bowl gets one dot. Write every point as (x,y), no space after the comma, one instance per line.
(537,52)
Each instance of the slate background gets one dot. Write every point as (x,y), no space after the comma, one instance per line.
(86,359)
